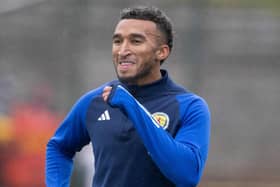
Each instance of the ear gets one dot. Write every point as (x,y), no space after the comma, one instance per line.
(163,52)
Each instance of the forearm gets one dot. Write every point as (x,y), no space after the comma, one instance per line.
(177,161)
(58,167)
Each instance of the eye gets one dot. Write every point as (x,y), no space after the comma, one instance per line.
(117,41)
(136,41)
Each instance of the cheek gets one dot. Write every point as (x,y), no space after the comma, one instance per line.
(148,57)
(114,51)
(114,56)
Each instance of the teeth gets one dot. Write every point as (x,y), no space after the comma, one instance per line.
(126,62)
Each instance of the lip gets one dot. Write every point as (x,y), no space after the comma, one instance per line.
(126,62)
(125,65)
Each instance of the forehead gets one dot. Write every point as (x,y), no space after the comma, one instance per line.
(136,26)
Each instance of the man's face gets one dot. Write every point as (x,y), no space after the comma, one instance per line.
(134,49)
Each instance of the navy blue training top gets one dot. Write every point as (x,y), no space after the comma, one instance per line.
(156,135)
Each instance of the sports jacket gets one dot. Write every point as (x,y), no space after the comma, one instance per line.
(156,135)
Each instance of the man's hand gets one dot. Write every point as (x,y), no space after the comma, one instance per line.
(106,92)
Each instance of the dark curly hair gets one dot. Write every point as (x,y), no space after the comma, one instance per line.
(155,15)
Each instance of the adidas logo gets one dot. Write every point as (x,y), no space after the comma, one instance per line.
(104,116)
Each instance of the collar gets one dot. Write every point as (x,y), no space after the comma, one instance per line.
(150,90)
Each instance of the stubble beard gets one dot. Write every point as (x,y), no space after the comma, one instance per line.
(131,80)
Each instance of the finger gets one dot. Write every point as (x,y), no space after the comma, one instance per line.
(105,96)
(106,93)
(107,89)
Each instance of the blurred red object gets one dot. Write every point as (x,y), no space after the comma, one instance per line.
(32,126)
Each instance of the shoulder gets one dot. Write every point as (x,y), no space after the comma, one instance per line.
(191,99)
(175,88)
(188,101)
(183,95)
(193,105)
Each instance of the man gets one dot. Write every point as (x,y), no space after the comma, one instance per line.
(146,131)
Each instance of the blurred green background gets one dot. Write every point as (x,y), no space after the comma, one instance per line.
(228,51)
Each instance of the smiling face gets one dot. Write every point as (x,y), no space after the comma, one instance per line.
(137,51)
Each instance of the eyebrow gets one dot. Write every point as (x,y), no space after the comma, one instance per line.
(116,36)
(133,35)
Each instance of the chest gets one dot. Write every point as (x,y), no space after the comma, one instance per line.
(110,128)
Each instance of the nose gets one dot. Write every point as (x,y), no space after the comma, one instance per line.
(124,49)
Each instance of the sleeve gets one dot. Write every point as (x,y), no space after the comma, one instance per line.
(180,159)
(69,138)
